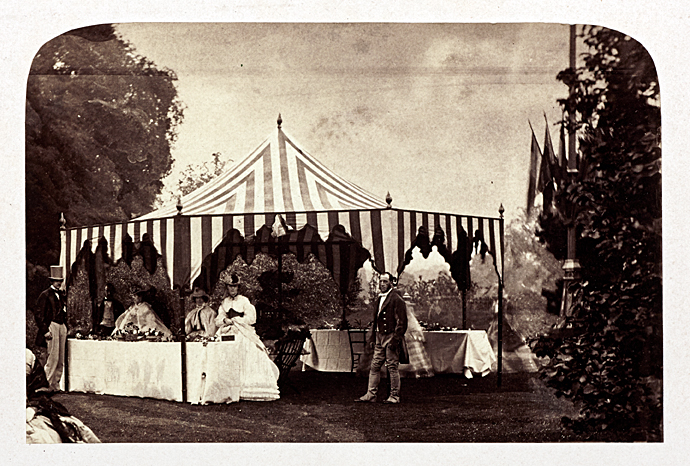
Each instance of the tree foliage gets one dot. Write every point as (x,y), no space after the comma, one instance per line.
(610,362)
(100,122)
(308,295)
(195,176)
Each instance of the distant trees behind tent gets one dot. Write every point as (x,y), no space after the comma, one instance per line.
(532,278)
(192,177)
(100,121)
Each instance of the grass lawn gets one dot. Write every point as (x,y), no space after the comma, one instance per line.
(445,408)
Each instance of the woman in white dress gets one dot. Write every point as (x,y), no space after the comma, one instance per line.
(142,315)
(236,316)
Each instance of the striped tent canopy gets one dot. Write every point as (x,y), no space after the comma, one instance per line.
(279,185)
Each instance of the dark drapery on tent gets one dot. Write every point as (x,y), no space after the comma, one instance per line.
(340,253)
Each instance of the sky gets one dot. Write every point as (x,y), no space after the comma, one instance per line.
(436,114)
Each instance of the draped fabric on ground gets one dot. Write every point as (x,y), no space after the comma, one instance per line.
(233,214)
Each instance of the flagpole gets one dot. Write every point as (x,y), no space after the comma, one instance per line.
(571,267)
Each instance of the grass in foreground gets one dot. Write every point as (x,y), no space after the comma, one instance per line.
(445,408)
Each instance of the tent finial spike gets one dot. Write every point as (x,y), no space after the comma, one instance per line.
(389,199)
(280,120)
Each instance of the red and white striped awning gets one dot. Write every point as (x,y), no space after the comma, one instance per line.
(279,178)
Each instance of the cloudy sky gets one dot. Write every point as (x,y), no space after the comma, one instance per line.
(436,114)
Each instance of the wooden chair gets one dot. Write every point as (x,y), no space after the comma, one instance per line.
(358,342)
(287,354)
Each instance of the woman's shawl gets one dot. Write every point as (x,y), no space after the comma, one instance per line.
(201,318)
(143,317)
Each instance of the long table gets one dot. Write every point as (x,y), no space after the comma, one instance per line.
(153,369)
(465,352)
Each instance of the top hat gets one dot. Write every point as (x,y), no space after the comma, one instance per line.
(199,293)
(230,279)
(56,273)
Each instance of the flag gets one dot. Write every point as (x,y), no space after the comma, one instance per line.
(548,170)
(562,159)
(534,162)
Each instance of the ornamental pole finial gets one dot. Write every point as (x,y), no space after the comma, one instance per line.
(179,205)
(63,222)
(389,200)
(501,210)
(280,121)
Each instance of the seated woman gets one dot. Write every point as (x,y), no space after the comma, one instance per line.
(48,421)
(236,316)
(200,321)
(141,314)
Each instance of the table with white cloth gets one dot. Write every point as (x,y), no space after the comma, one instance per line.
(465,352)
(154,369)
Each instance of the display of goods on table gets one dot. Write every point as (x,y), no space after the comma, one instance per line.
(131,332)
(435,327)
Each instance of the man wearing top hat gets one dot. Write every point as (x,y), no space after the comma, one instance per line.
(51,316)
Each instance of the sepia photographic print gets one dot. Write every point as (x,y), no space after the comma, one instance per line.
(408,238)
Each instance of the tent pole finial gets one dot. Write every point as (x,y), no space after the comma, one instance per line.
(280,121)
(389,200)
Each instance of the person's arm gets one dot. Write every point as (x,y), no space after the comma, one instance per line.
(371,335)
(39,312)
(249,310)
(41,315)
(208,320)
(222,315)
(188,322)
(401,317)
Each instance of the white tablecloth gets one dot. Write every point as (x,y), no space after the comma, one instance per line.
(145,369)
(465,352)
(328,351)
(154,370)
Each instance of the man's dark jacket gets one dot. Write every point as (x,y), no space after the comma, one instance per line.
(49,308)
(392,319)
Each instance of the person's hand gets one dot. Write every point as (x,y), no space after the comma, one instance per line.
(48,335)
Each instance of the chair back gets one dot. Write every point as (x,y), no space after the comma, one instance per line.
(287,354)
(358,342)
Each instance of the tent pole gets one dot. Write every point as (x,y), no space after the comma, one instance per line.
(500,301)
(464,309)
(183,346)
(280,278)
(66,269)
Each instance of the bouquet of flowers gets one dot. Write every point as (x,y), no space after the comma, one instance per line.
(202,338)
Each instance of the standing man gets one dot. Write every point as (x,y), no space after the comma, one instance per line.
(51,315)
(388,332)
